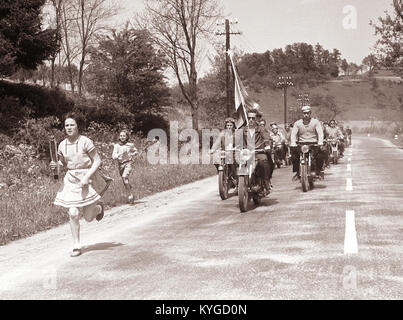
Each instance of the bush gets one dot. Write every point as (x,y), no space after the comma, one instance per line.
(41,102)
(144,122)
(11,112)
(36,132)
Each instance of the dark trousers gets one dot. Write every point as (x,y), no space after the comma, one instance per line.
(270,164)
(317,158)
(326,155)
(341,147)
(265,166)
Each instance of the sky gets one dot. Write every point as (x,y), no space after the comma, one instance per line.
(270,24)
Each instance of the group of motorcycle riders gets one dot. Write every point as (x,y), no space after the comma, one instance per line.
(275,148)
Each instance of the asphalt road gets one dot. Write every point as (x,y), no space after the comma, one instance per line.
(187,243)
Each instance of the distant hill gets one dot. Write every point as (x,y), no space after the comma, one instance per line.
(359,100)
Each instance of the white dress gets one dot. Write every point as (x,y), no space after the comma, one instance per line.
(75,156)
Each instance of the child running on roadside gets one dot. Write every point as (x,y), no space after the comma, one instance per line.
(124,152)
(80,190)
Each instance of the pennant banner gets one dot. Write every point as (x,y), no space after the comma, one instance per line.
(243,102)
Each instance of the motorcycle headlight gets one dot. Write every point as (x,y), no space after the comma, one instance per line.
(304,149)
(245,155)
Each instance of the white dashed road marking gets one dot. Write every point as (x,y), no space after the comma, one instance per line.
(349,184)
(350,237)
(348,167)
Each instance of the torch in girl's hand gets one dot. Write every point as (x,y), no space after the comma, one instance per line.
(54,159)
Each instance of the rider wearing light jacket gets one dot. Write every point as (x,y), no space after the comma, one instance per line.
(226,141)
(278,140)
(334,132)
(310,130)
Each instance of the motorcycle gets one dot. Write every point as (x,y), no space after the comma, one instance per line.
(305,167)
(288,161)
(225,180)
(348,141)
(333,150)
(250,184)
(277,155)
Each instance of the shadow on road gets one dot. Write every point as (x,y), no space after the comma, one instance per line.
(137,202)
(317,186)
(101,246)
(266,202)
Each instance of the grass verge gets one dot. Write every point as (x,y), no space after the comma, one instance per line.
(26,206)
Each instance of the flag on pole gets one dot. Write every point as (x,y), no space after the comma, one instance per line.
(243,102)
(239,96)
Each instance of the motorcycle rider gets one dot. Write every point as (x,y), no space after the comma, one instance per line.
(226,141)
(262,123)
(326,151)
(349,133)
(334,132)
(307,129)
(262,141)
(287,136)
(278,141)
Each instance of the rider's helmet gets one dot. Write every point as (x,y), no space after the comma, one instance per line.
(256,107)
(274,128)
(306,109)
(229,120)
(262,122)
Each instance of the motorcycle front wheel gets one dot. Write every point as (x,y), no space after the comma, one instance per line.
(256,200)
(311,184)
(335,157)
(243,194)
(223,184)
(304,178)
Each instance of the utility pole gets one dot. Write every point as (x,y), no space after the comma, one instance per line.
(228,82)
(303,99)
(284,83)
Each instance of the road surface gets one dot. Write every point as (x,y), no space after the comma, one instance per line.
(342,240)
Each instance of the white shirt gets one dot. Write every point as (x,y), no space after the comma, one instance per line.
(123,152)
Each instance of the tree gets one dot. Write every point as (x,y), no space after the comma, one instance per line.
(23,44)
(371,62)
(57,7)
(125,67)
(389,45)
(354,68)
(327,107)
(344,66)
(89,16)
(69,41)
(177,26)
